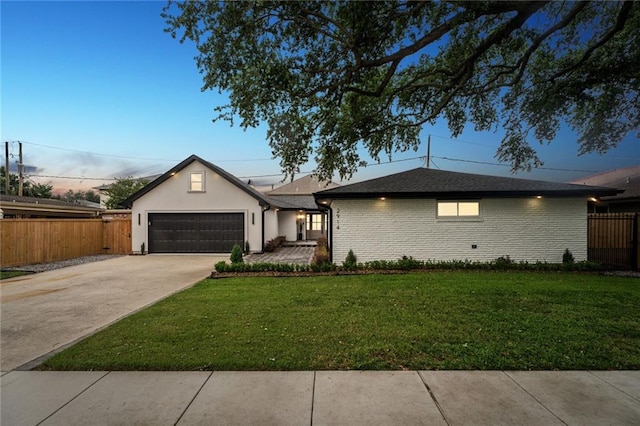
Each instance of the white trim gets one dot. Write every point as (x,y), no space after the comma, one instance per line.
(459,217)
(203,182)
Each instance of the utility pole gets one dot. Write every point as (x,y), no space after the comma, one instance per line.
(20,177)
(7,182)
(428,151)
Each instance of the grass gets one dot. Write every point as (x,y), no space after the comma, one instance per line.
(5,275)
(437,320)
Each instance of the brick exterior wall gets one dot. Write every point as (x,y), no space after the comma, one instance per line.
(528,229)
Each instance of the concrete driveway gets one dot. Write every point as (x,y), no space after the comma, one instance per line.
(44,312)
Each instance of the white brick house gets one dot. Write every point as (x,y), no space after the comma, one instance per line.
(440,215)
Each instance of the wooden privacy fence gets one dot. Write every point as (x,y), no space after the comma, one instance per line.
(613,239)
(27,241)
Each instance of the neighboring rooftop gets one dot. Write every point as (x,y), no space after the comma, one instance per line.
(304,186)
(422,182)
(13,205)
(299,193)
(627,179)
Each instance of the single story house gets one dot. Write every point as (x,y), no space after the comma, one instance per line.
(197,207)
(14,206)
(440,215)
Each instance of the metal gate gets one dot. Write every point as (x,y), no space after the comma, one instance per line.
(613,239)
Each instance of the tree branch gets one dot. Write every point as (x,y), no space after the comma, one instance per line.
(623,15)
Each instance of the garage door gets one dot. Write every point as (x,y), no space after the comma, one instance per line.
(195,232)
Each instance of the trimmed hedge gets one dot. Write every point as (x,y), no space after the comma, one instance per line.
(223,267)
(410,264)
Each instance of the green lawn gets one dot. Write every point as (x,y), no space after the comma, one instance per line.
(5,275)
(436,320)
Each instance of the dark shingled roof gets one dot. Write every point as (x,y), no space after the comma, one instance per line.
(424,182)
(50,202)
(306,185)
(294,202)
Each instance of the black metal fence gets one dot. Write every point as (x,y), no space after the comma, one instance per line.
(613,239)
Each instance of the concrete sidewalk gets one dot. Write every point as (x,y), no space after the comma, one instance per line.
(322,398)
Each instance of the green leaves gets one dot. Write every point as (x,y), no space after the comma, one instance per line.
(122,189)
(332,77)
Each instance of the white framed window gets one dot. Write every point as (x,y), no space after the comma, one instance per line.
(448,209)
(196,182)
(315,222)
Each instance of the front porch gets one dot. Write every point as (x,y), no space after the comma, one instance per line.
(302,225)
(293,252)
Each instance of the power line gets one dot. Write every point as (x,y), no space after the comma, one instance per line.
(71,177)
(98,153)
(138,158)
(507,165)
(274,175)
(397,161)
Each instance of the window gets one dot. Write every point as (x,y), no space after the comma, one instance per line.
(314,222)
(458,208)
(196,182)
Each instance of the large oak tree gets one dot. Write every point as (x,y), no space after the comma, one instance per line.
(329,77)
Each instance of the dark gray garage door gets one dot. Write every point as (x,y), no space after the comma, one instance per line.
(195,232)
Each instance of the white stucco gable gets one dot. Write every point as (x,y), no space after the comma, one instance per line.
(193,190)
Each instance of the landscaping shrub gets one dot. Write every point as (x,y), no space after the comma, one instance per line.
(322,241)
(321,253)
(351,261)
(275,243)
(323,267)
(407,263)
(567,257)
(222,267)
(236,254)
(246,247)
(503,262)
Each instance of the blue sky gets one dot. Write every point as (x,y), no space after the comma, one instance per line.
(97,90)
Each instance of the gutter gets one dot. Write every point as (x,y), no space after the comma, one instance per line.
(330,232)
(268,207)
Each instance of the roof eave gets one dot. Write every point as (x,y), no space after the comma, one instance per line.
(466,194)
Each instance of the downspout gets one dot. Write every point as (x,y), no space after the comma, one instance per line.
(264,210)
(330,232)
